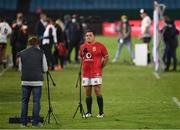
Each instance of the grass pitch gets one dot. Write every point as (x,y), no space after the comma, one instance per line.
(133,97)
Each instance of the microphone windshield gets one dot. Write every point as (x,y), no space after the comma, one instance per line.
(85,50)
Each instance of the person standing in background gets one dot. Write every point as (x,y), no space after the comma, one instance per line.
(170,37)
(49,40)
(145,31)
(60,51)
(19,36)
(41,26)
(75,38)
(5,30)
(124,38)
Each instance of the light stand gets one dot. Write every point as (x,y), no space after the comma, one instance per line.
(78,82)
(50,110)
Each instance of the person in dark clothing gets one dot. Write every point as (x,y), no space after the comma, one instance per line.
(41,26)
(170,36)
(60,49)
(32,64)
(75,38)
(67,22)
(19,36)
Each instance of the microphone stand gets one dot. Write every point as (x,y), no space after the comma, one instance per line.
(50,110)
(79,82)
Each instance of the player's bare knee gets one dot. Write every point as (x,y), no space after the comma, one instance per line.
(88,90)
(97,90)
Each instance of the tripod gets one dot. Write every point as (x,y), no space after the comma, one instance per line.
(50,110)
(80,106)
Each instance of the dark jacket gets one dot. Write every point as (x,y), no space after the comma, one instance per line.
(170,34)
(32,69)
(40,29)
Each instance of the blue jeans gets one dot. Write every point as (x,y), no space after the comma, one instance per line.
(26,92)
(128,43)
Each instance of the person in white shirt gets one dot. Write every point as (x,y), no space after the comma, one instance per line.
(49,40)
(5,30)
(145,30)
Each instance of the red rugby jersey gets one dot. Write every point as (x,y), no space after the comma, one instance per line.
(92,55)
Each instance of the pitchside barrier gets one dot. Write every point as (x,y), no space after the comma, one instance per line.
(110,28)
(141,54)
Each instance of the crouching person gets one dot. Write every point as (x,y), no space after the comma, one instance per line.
(32,63)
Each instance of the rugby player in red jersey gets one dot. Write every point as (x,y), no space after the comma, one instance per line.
(94,57)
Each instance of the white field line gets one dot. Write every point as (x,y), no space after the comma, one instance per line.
(156,75)
(176,101)
(4,70)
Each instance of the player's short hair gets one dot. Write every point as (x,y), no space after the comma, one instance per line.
(90,30)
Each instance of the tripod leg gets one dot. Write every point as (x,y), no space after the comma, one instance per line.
(46,119)
(55,118)
(48,116)
(50,110)
(76,111)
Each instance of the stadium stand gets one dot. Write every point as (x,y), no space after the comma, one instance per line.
(8,4)
(87,4)
(98,4)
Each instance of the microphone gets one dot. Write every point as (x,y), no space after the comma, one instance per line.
(85,50)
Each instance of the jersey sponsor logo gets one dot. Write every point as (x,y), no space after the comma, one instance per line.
(88,55)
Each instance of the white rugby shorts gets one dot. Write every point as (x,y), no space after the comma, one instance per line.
(91,81)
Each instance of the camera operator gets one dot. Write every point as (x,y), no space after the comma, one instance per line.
(32,64)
